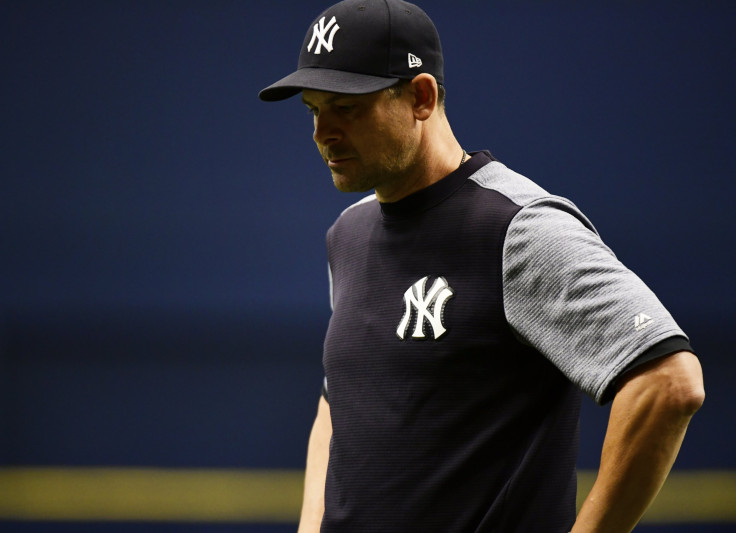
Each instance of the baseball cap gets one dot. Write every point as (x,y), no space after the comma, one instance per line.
(362,46)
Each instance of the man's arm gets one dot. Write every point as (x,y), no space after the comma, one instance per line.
(649,417)
(318,453)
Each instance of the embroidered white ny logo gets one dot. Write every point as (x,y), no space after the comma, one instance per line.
(429,307)
(319,34)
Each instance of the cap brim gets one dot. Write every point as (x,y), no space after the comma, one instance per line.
(322,79)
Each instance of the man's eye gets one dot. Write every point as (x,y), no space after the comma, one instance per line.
(312,111)
(345,108)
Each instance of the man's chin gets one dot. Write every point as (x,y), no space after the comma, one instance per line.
(344,183)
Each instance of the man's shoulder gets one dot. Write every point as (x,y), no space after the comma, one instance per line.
(358,213)
(511,184)
(535,202)
(361,206)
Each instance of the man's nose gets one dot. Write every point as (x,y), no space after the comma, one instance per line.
(326,131)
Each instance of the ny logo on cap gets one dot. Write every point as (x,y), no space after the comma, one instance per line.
(319,33)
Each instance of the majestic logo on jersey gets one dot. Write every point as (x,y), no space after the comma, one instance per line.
(319,32)
(641,321)
(428,307)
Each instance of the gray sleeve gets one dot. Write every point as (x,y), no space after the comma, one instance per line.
(567,295)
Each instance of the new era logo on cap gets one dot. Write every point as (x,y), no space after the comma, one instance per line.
(414,61)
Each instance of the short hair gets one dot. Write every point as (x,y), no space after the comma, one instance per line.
(397,90)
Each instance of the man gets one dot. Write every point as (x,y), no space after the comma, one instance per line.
(470,308)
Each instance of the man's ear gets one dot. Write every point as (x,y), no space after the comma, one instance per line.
(424,90)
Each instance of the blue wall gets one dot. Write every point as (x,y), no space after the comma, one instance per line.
(163,287)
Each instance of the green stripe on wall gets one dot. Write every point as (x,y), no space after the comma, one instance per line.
(266,496)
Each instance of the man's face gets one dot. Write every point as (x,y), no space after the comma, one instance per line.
(368,141)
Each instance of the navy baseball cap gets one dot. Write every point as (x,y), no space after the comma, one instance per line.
(362,46)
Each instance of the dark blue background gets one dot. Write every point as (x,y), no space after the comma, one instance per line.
(163,286)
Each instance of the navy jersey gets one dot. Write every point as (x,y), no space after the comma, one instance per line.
(466,320)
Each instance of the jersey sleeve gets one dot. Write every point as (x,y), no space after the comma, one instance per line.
(567,295)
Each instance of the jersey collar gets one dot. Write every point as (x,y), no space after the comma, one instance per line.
(439,191)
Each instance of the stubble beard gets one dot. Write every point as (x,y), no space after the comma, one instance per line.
(388,172)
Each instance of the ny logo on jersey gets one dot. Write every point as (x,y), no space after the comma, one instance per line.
(319,32)
(429,308)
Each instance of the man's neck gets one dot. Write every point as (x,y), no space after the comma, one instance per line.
(440,155)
